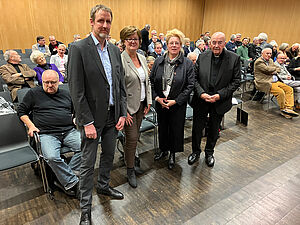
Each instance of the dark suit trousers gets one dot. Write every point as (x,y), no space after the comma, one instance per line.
(200,113)
(89,153)
(171,127)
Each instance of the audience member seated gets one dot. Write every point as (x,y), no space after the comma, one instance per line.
(254,51)
(51,109)
(293,51)
(282,49)
(242,51)
(200,47)
(157,50)
(187,48)
(193,57)
(153,33)
(263,37)
(162,40)
(285,77)
(120,45)
(76,38)
(53,46)
(41,46)
(231,45)
(238,41)
(15,74)
(39,59)
(274,49)
(150,62)
(266,80)
(60,60)
(294,67)
(151,46)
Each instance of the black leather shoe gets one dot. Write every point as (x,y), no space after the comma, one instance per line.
(193,158)
(71,192)
(113,193)
(171,163)
(160,155)
(85,219)
(210,160)
(131,177)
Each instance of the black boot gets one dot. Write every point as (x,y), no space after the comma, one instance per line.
(137,166)
(131,177)
(171,162)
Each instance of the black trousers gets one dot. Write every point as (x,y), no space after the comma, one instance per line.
(171,127)
(200,113)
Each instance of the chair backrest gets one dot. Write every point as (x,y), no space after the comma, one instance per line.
(18,51)
(13,132)
(28,52)
(21,93)
(1,51)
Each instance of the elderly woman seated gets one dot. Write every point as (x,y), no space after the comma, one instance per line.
(38,58)
(60,59)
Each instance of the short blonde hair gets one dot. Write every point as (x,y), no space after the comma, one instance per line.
(175,33)
(35,55)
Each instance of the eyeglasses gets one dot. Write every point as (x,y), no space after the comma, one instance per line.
(132,39)
(174,43)
(50,82)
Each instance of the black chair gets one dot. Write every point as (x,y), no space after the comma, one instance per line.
(1,52)
(3,85)
(28,52)
(14,147)
(19,51)
(21,94)
(6,95)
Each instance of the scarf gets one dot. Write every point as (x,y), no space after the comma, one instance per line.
(169,68)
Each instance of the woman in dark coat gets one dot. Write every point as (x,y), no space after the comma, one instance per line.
(172,80)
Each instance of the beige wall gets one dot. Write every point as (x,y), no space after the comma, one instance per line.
(23,20)
(279,19)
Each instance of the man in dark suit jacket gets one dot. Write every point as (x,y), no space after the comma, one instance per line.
(98,93)
(145,38)
(217,75)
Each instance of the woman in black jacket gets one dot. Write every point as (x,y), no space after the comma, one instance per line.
(172,80)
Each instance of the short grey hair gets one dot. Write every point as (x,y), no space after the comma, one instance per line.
(7,54)
(232,37)
(238,34)
(255,38)
(62,45)
(96,8)
(191,54)
(273,43)
(283,46)
(199,42)
(150,59)
(263,36)
(147,27)
(76,36)
(266,49)
(34,55)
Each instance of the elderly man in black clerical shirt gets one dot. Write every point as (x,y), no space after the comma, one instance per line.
(51,108)
(217,74)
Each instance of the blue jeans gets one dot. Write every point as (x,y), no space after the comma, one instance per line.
(51,145)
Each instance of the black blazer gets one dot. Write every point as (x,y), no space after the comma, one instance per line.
(88,84)
(227,81)
(183,80)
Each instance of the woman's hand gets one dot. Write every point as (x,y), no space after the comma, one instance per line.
(146,110)
(128,120)
(163,102)
(170,103)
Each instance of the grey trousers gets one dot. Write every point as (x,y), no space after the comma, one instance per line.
(89,153)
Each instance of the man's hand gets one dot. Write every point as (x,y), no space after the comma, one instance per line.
(90,131)
(128,120)
(32,129)
(210,98)
(120,124)
(205,97)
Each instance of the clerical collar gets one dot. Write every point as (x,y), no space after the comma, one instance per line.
(218,56)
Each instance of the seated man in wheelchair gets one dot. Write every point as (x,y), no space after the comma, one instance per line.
(50,108)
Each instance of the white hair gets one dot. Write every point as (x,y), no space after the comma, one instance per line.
(191,54)
(34,55)
(263,36)
(6,55)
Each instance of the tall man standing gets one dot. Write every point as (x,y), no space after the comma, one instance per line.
(217,77)
(98,92)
